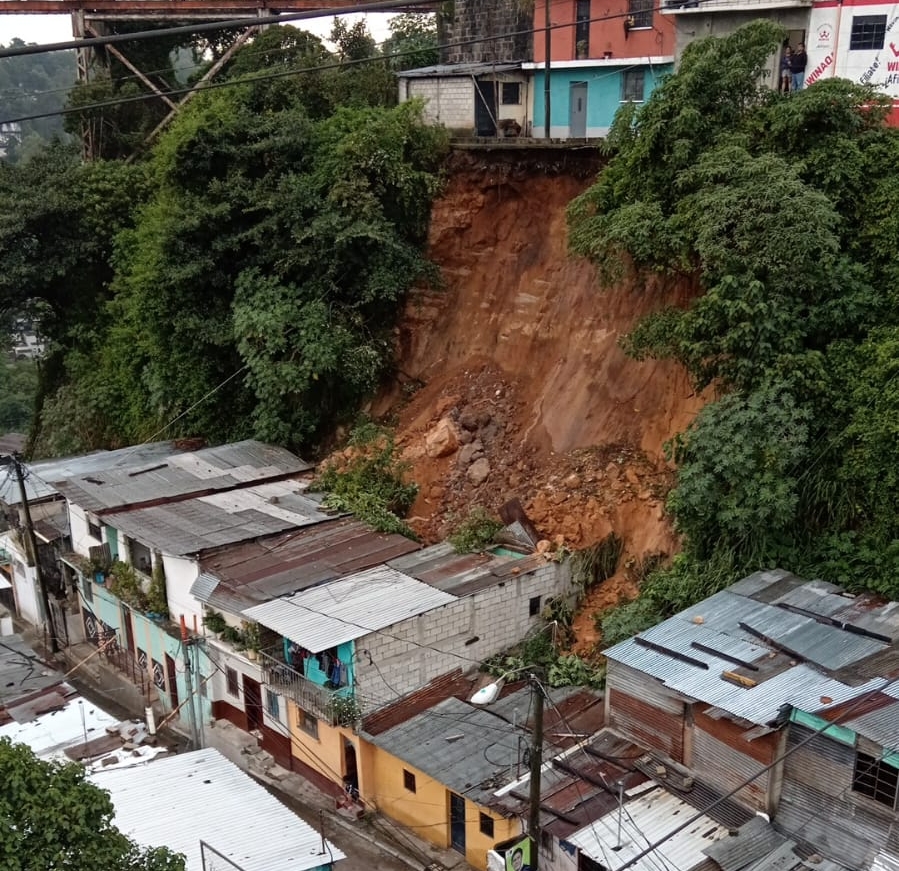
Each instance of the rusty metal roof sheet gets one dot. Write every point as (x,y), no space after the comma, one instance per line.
(136,481)
(258,571)
(194,525)
(462,574)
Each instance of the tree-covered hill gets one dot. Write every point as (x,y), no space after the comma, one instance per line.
(244,278)
(782,207)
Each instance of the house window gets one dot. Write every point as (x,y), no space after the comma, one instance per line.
(141,557)
(233,685)
(632,85)
(486,824)
(639,13)
(511,93)
(867,32)
(534,606)
(409,780)
(87,590)
(307,723)
(876,779)
(582,29)
(93,529)
(272,704)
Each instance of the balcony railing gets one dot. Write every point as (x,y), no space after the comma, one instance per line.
(323,703)
(678,7)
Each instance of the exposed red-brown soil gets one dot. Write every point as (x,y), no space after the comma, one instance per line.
(513,382)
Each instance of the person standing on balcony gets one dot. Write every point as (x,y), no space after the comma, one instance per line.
(786,70)
(798,61)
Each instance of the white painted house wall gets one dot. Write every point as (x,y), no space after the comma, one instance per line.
(24,580)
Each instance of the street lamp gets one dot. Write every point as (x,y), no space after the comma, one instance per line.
(486,696)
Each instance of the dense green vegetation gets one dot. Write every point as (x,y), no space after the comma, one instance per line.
(244,279)
(18,387)
(33,85)
(781,209)
(55,818)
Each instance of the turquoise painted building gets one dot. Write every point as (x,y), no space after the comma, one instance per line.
(585,95)
(155,646)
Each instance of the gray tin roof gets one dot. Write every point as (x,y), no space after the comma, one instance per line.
(133,482)
(468,750)
(348,608)
(195,525)
(440,71)
(42,475)
(805,644)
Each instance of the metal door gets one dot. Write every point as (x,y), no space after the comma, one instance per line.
(457,822)
(172,674)
(252,701)
(577,114)
(485,107)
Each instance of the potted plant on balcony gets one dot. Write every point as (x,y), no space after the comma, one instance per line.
(215,623)
(232,635)
(251,639)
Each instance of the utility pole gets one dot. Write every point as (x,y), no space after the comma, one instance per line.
(536,766)
(31,547)
(547,47)
(189,684)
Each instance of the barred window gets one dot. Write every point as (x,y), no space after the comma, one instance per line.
(868,32)
(641,12)
(875,778)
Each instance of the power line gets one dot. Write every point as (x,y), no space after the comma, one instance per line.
(207,26)
(776,761)
(251,79)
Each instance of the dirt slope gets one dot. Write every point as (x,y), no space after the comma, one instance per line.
(513,381)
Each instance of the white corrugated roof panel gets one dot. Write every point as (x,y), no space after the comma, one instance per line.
(645,820)
(330,614)
(179,801)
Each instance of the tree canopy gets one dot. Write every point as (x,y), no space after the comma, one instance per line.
(777,209)
(52,818)
(246,277)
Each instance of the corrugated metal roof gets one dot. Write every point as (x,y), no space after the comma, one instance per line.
(463,574)
(193,525)
(465,748)
(450,70)
(881,725)
(259,571)
(352,607)
(179,801)
(794,655)
(22,673)
(130,482)
(42,475)
(646,819)
(748,844)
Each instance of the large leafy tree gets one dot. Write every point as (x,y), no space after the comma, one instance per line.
(255,290)
(776,208)
(52,818)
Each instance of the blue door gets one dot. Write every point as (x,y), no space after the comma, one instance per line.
(457,822)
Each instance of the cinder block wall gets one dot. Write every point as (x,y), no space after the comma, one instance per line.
(492,30)
(409,654)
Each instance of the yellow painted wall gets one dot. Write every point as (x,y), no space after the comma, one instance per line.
(325,754)
(426,811)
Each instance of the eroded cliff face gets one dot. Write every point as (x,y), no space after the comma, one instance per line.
(512,380)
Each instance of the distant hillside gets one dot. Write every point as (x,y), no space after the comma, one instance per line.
(32,85)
